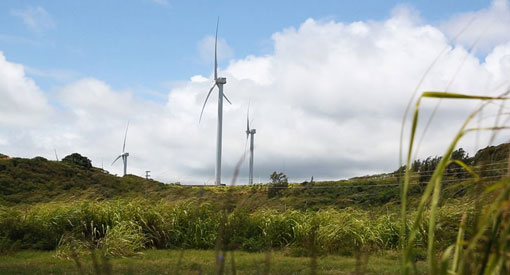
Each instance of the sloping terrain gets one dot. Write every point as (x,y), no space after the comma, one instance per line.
(28,181)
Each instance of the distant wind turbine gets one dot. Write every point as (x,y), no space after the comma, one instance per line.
(124,155)
(56,156)
(250,133)
(218,81)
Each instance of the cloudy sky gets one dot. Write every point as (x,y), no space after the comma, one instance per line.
(327,83)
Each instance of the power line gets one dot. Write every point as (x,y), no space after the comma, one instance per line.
(368,185)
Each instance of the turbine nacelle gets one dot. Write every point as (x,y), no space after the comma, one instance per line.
(221,80)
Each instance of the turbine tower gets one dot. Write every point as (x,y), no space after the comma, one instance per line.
(251,134)
(124,154)
(218,81)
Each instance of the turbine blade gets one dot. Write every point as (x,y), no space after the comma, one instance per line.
(125,136)
(216,51)
(246,143)
(248,121)
(116,159)
(210,91)
(227,99)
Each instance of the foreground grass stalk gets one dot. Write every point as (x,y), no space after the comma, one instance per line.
(434,184)
(458,245)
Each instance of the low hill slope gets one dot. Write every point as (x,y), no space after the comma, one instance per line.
(41,180)
(28,181)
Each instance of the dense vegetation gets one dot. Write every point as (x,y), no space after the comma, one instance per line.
(72,208)
(166,225)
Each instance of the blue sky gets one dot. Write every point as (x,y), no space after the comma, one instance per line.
(148,45)
(327,81)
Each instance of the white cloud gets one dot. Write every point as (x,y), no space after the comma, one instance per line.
(484,29)
(198,78)
(37,19)
(22,102)
(326,103)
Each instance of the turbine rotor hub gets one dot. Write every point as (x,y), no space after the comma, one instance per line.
(221,80)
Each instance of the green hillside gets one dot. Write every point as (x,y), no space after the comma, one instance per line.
(36,180)
(70,207)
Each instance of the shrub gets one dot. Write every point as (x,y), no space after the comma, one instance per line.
(279,182)
(78,160)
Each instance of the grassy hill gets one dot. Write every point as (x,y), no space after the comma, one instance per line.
(36,180)
(39,180)
(68,205)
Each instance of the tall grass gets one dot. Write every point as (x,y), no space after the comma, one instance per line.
(487,249)
(123,228)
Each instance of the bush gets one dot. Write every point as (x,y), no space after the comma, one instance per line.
(278,183)
(78,160)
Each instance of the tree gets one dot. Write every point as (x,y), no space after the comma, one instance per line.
(278,182)
(78,160)
(456,170)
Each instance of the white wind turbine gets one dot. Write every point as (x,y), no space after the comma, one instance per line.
(218,81)
(251,134)
(124,155)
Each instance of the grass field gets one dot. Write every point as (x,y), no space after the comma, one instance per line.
(201,262)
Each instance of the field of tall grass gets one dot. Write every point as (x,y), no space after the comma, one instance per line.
(124,228)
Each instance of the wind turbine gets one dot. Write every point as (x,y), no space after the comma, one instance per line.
(124,155)
(218,81)
(251,134)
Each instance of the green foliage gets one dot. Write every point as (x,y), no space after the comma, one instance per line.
(27,181)
(78,160)
(122,228)
(481,246)
(124,239)
(278,182)
(423,169)
(361,213)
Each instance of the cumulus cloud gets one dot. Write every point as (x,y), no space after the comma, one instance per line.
(37,19)
(484,29)
(23,103)
(327,102)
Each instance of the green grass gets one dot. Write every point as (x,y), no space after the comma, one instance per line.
(125,227)
(26,182)
(166,262)
(486,250)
